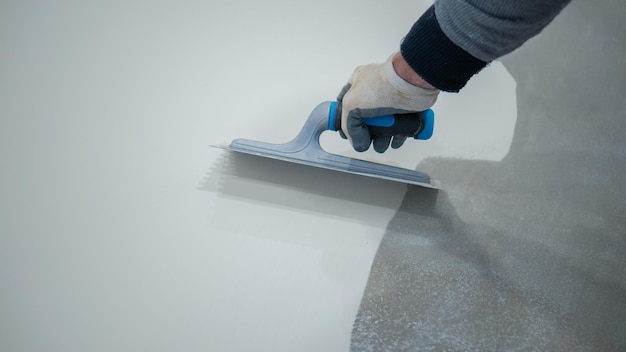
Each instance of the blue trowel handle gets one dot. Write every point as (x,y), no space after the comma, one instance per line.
(418,125)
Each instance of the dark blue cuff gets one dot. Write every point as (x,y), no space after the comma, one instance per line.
(436,58)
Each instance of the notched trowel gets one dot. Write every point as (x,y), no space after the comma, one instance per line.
(305,148)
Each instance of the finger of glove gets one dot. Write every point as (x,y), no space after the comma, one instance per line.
(381,144)
(343,91)
(358,131)
(348,85)
(397,141)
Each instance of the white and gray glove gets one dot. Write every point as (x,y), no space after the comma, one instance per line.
(376,90)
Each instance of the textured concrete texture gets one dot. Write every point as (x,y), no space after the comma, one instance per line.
(528,253)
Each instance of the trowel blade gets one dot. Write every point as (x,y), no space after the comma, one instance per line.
(345,164)
(305,149)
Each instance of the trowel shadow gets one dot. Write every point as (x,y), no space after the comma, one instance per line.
(289,185)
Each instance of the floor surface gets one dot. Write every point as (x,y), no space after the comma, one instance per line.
(121,229)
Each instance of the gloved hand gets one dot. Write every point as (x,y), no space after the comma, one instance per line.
(376,90)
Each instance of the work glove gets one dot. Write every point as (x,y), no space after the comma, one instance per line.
(377,90)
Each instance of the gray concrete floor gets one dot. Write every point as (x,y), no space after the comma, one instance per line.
(528,253)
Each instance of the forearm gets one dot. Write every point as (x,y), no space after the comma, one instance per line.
(489,29)
(455,39)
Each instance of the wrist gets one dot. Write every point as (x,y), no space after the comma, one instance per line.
(404,71)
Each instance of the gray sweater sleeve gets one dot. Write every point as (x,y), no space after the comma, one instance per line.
(488,29)
(455,39)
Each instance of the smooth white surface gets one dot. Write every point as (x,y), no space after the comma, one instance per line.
(120,229)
